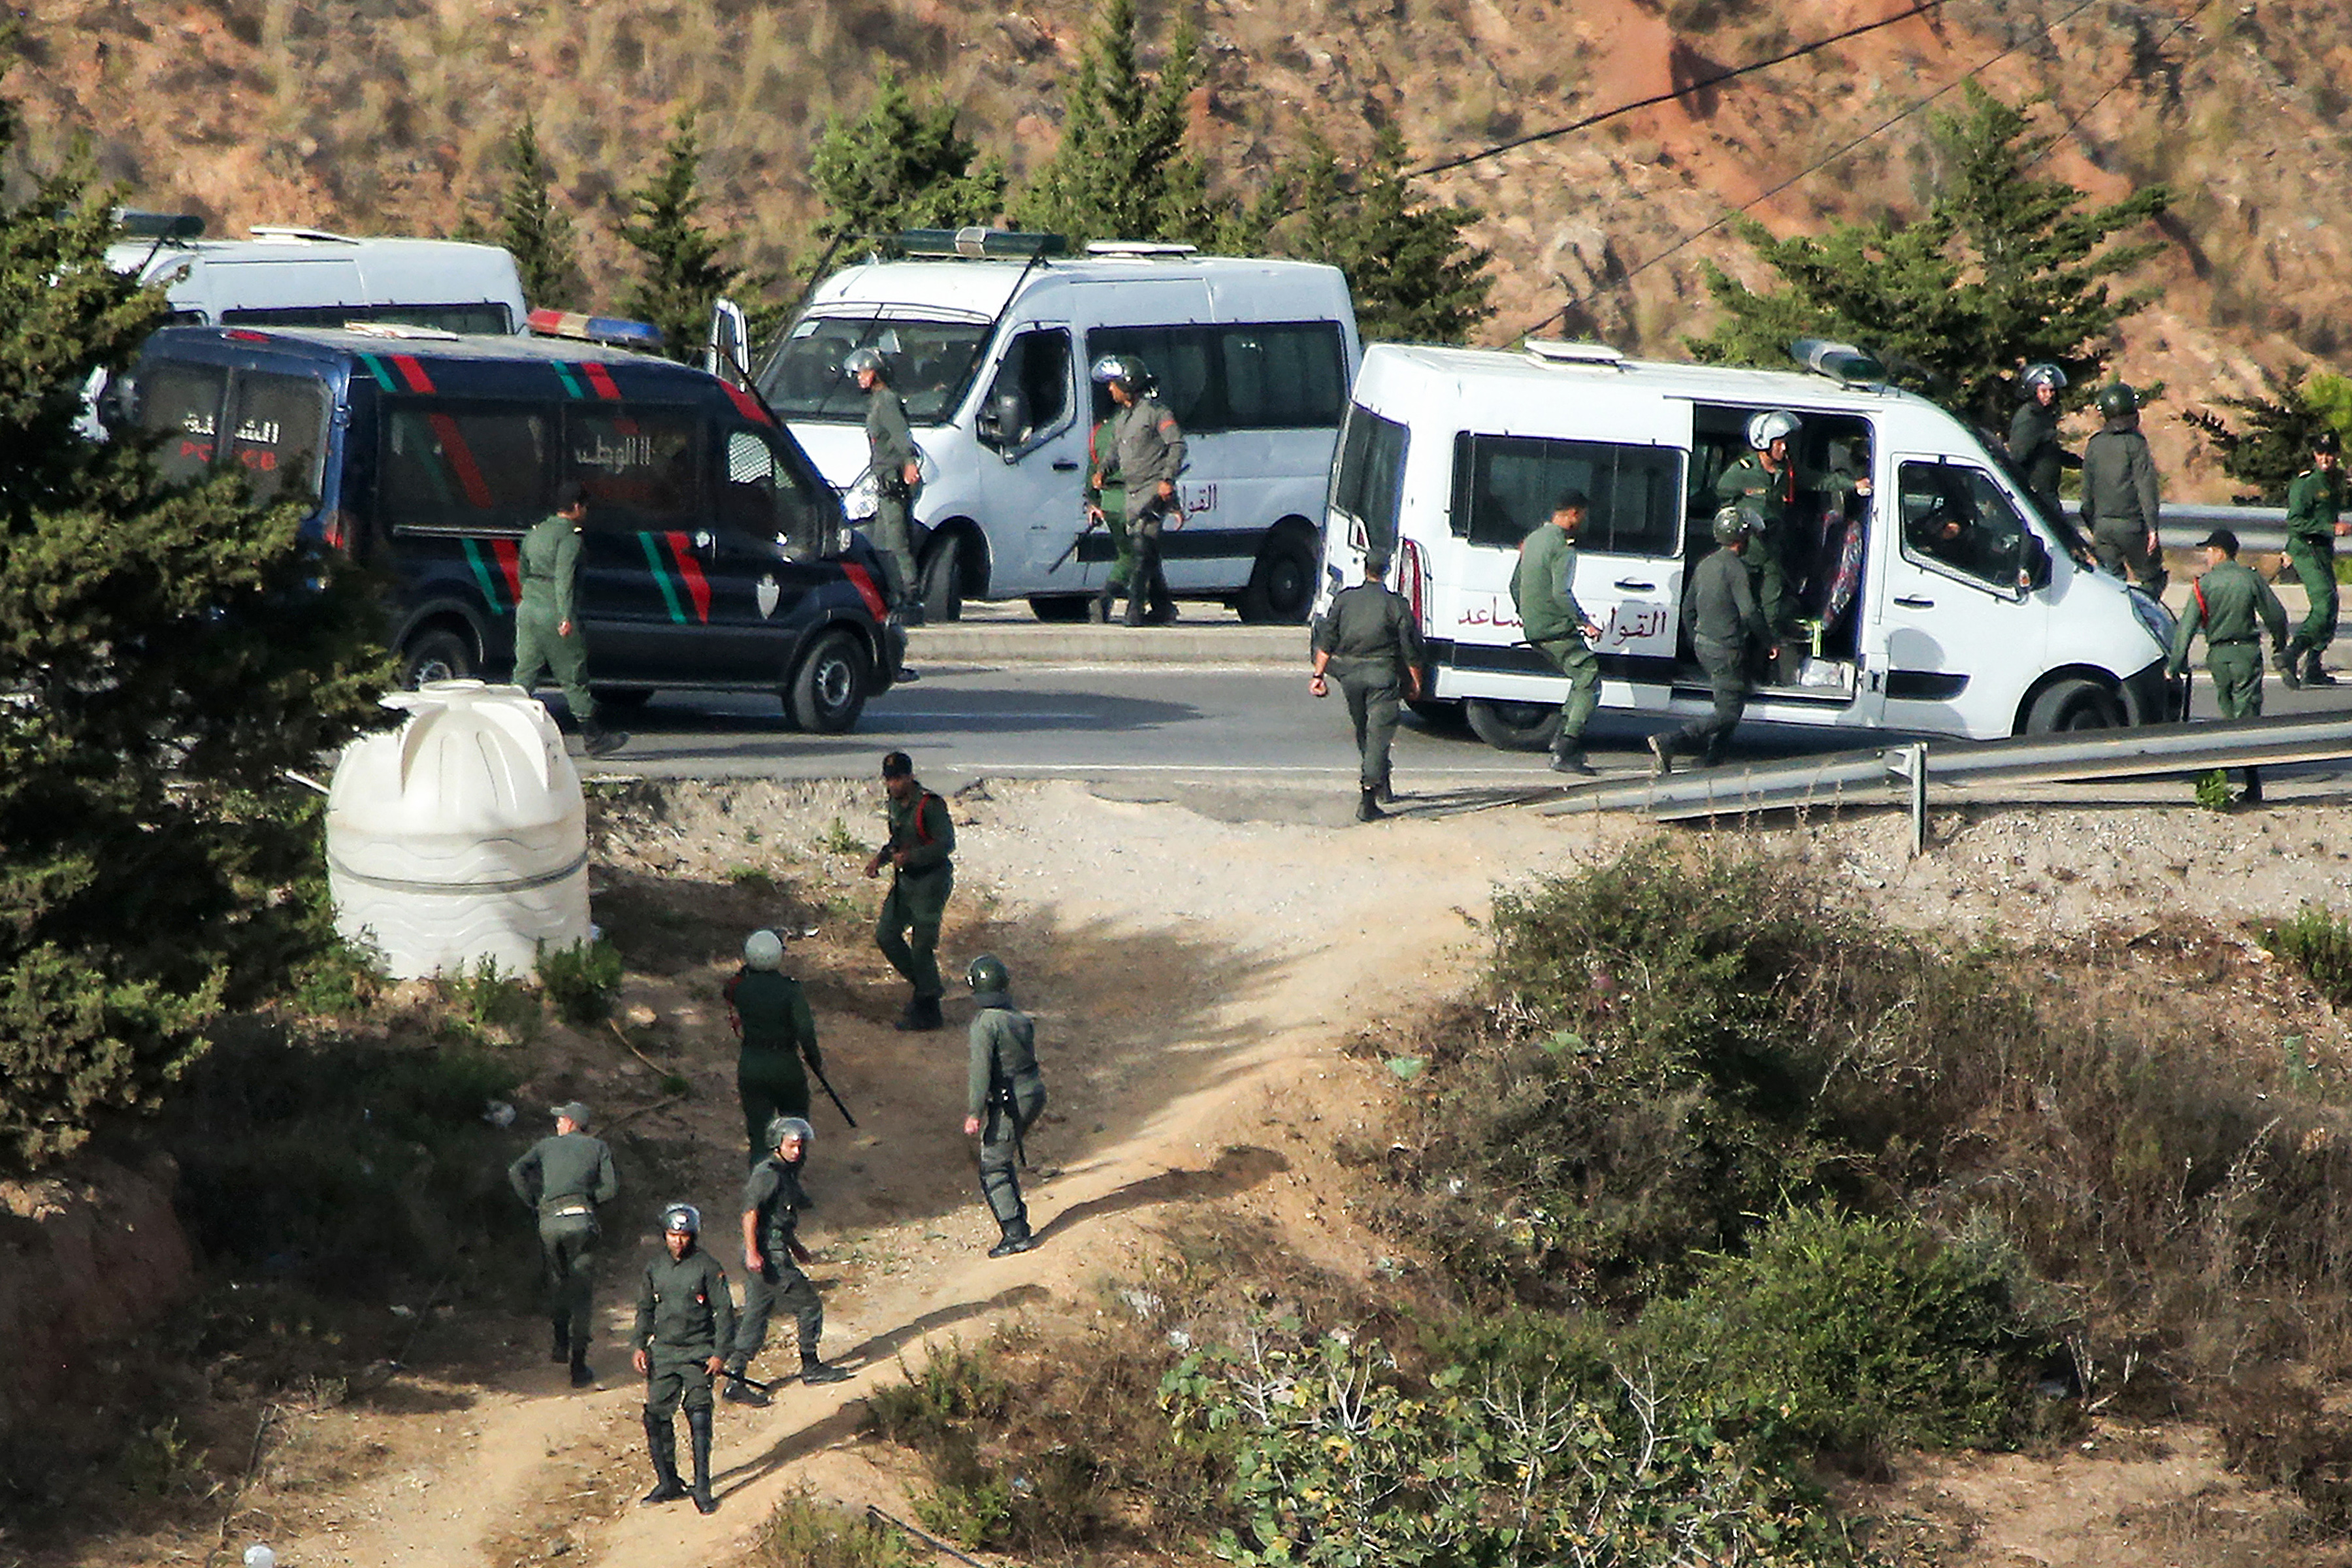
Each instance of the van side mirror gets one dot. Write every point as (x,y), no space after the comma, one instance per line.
(990,426)
(2033,572)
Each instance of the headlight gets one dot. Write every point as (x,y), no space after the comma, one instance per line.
(2153,617)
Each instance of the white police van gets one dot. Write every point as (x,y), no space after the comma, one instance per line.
(286,276)
(989,336)
(1941,603)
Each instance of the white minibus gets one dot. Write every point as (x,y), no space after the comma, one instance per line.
(1941,603)
(990,340)
(285,277)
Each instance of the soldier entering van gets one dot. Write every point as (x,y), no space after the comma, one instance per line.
(547,626)
(1767,481)
(1147,453)
(898,471)
(2033,444)
(2119,492)
(1726,624)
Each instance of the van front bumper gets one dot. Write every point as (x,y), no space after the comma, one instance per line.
(2152,697)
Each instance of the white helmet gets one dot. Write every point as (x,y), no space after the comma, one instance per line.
(682,1217)
(1766,428)
(762,949)
(863,359)
(2048,375)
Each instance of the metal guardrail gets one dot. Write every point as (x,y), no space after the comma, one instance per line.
(2262,528)
(1880,776)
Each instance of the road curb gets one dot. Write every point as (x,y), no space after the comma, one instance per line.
(986,647)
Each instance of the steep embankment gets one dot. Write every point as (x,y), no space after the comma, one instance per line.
(386,117)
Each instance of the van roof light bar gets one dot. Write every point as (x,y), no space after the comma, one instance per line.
(978,244)
(140,224)
(1143,248)
(1552,351)
(613,332)
(295,234)
(1842,363)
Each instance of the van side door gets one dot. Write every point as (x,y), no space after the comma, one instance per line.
(644,585)
(1033,459)
(765,555)
(1957,635)
(458,481)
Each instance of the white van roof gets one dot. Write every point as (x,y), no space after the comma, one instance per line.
(1520,376)
(980,289)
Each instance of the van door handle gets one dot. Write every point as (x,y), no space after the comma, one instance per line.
(1065,465)
(1632,586)
(1912,604)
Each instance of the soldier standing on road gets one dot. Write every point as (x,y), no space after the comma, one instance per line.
(2033,444)
(898,471)
(772,1255)
(2314,506)
(2120,501)
(1370,643)
(1004,1097)
(1147,453)
(1719,606)
(1106,499)
(2232,605)
(1543,586)
(1767,481)
(919,852)
(565,1178)
(546,630)
(685,1318)
(772,1015)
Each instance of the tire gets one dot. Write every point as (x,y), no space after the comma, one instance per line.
(1448,716)
(1513,726)
(943,581)
(631,697)
(828,690)
(437,653)
(2073,704)
(1060,608)
(1282,585)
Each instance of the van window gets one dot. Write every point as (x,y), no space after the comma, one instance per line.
(1955,517)
(1367,481)
(279,434)
(1253,376)
(1180,360)
(183,403)
(929,364)
(450,467)
(478,316)
(636,463)
(1504,486)
(761,493)
(1036,376)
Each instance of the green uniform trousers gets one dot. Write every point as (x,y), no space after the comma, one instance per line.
(1572,659)
(1374,702)
(894,537)
(2314,567)
(2237,671)
(538,651)
(907,931)
(769,1084)
(1727,680)
(678,1377)
(567,1245)
(2120,542)
(780,1284)
(1001,1131)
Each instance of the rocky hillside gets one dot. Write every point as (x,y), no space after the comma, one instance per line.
(382,116)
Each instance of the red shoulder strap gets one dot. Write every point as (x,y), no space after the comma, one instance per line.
(2197,588)
(923,834)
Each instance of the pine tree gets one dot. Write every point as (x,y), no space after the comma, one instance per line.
(2005,269)
(2275,444)
(1123,170)
(1414,277)
(683,277)
(167,653)
(900,165)
(534,230)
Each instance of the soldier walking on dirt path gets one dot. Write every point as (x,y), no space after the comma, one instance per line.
(565,1178)
(685,1319)
(919,852)
(1004,1097)
(770,1013)
(2231,605)
(773,1254)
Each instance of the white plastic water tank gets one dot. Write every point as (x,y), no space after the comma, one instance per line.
(460,836)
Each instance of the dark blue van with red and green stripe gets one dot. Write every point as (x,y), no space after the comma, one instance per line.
(715,557)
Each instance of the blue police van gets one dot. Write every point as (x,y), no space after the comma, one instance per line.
(715,557)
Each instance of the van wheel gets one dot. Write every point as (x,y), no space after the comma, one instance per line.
(1282,587)
(2073,705)
(1446,716)
(943,581)
(828,692)
(1059,607)
(1513,726)
(437,653)
(629,697)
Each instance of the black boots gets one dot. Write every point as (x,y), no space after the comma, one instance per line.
(816,1371)
(2252,794)
(562,1350)
(922,1014)
(661,1442)
(738,1391)
(1100,607)
(2288,664)
(583,1375)
(596,741)
(2314,673)
(1368,806)
(1016,1237)
(698,1427)
(1568,756)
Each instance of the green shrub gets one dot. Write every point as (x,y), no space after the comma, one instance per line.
(976,1513)
(485,1000)
(341,982)
(580,980)
(958,1385)
(2320,945)
(803,1532)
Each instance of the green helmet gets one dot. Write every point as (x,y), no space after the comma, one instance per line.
(988,974)
(1732,524)
(2118,401)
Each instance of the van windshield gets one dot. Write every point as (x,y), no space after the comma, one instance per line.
(930,364)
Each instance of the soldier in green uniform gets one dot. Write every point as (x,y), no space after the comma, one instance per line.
(898,471)
(2314,505)
(2231,604)
(1725,622)
(547,634)
(1147,454)
(2033,444)
(1543,586)
(1106,499)
(1769,480)
(685,1319)
(1004,1097)
(1369,642)
(770,1011)
(565,1178)
(919,852)
(2120,500)
(772,1255)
